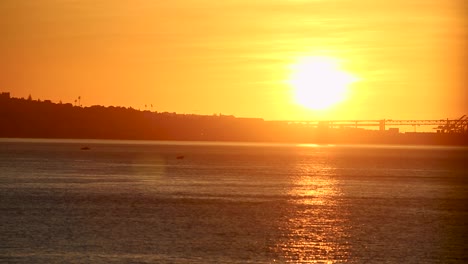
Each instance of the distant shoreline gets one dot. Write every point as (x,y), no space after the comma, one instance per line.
(27,118)
(84,141)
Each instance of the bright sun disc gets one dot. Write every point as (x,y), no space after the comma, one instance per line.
(319,83)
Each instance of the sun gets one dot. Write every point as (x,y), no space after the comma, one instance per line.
(319,82)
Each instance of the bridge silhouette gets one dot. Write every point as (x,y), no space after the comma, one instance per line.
(459,125)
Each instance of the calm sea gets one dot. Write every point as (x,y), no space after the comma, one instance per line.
(136,202)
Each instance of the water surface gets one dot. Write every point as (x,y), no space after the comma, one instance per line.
(135,202)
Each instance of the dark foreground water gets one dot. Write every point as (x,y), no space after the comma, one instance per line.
(135,202)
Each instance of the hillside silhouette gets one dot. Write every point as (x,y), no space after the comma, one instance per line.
(28,118)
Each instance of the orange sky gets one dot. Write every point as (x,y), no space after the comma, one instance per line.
(234,57)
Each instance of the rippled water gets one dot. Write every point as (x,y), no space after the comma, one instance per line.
(135,202)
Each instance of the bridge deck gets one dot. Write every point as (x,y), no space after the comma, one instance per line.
(445,125)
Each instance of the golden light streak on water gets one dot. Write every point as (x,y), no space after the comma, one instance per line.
(309,239)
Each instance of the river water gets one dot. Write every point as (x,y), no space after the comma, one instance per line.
(136,202)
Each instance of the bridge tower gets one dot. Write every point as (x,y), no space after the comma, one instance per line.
(382,125)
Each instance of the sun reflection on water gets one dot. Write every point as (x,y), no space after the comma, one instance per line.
(315,228)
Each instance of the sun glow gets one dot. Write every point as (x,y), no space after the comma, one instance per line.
(319,82)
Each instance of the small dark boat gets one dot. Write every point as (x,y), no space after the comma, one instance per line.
(85,148)
(180,157)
